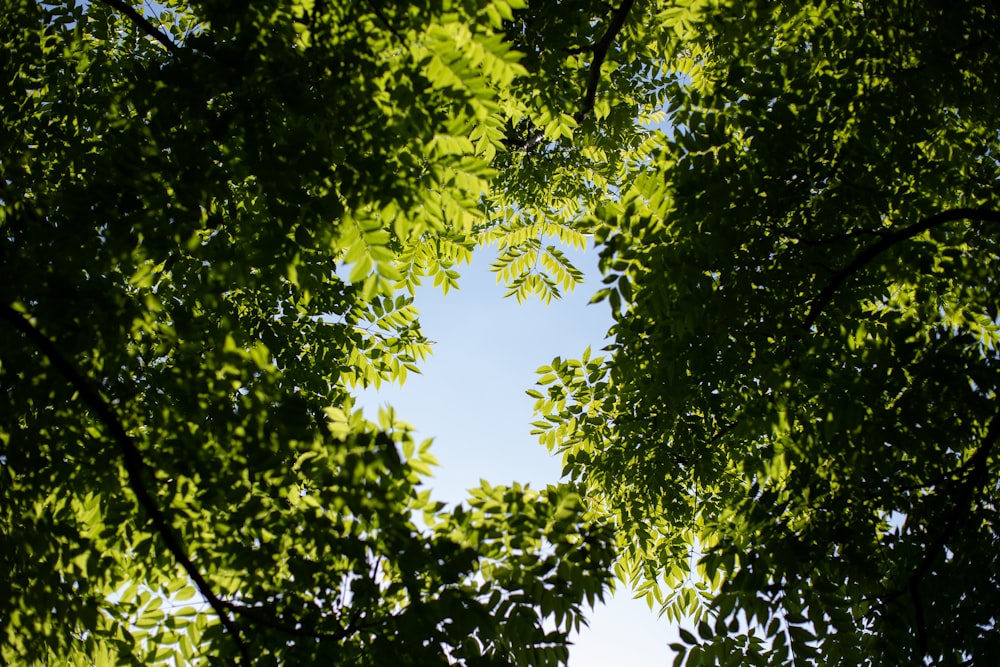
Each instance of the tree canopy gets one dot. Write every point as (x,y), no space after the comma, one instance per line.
(795,428)
(214,218)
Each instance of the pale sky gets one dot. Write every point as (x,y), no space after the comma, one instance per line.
(470,399)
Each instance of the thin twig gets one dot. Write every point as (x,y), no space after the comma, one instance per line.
(143,24)
(134,464)
(887,241)
(253,614)
(380,15)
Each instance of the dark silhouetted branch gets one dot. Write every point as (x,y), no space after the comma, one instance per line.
(254,614)
(847,236)
(134,465)
(600,51)
(963,500)
(888,240)
(144,25)
(600,54)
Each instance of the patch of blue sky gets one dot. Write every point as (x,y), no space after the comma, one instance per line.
(470,398)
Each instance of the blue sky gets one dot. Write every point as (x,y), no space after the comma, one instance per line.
(470,398)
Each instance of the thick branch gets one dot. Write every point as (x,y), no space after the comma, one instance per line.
(144,25)
(600,51)
(887,241)
(947,478)
(295,631)
(600,54)
(132,457)
(846,236)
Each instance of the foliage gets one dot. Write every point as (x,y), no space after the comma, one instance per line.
(214,218)
(211,216)
(795,429)
(593,85)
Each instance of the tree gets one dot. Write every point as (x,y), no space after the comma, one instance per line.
(211,218)
(795,430)
(214,216)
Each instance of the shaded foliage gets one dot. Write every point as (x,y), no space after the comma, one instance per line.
(795,430)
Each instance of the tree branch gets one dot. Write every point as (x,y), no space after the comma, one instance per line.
(947,478)
(600,51)
(380,15)
(918,611)
(976,479)
(887,241)
(846,236)
(294,631)
(140,21)
(134,465)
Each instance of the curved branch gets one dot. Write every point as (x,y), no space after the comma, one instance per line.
(134,465)
(140,21)
(600,51)
(888,240)
(846,236)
